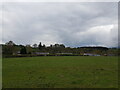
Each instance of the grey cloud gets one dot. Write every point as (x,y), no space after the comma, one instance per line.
(68,23)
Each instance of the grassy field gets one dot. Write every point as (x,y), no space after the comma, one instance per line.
(60,72)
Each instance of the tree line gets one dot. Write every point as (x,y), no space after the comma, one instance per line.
(10,48)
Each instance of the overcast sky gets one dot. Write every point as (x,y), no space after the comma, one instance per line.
(73,24)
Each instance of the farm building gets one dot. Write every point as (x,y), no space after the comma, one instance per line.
(41,53)
(90,54)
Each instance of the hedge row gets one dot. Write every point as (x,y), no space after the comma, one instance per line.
(34,55)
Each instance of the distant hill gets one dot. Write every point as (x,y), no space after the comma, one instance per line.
(95,47)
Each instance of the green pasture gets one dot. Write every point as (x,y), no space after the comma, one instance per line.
(60,72)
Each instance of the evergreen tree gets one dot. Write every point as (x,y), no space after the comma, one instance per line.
(23,51)
(40,46)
